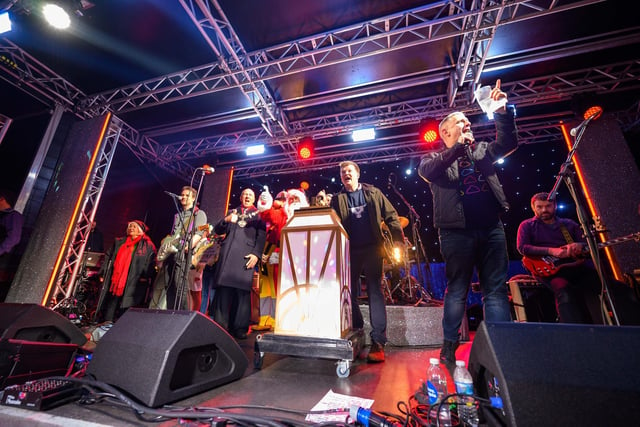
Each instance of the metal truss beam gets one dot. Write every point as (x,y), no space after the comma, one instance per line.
(235,62)
(536,91)
(433,22)
(5,122)
(475,44)
(25,72)
(406,147)
(67,276)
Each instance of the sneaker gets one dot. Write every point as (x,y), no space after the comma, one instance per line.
(376,353)
(448,353)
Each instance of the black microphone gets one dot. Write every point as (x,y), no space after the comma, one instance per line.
(389,182)
(174,195)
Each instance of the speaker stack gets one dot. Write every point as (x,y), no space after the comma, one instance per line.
(557,374)
(162,356)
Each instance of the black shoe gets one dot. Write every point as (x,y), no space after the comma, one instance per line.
(448,353)
(241,335)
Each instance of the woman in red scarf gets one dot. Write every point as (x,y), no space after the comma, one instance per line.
(128,272)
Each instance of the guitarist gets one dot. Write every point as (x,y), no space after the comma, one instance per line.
(175,276)
(575,282)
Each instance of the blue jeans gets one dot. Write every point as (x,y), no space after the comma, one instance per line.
(486,250)
(369,261)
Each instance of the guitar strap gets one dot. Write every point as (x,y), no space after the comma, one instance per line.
(566,234)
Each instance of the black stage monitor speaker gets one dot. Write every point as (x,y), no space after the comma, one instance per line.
(33,322)
(557,374)
(161,356)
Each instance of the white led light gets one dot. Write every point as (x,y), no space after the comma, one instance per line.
(5,22)
(255,149)
(363,134)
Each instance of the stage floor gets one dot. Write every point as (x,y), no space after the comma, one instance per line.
(287,382)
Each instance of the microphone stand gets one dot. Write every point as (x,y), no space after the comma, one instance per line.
(185,254)
(567,176)
(414,219)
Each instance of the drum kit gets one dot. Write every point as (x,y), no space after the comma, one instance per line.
(398,285)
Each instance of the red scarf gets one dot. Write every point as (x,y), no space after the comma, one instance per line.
(121,265)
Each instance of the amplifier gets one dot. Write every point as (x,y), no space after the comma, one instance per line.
(40,395)
(22,361)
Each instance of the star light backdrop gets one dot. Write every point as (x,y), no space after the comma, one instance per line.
(530,169)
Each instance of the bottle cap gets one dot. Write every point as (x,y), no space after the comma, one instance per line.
(434,361)
(460,363)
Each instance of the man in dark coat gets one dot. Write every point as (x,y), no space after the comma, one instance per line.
(363,208)
(239,253)
(128,271)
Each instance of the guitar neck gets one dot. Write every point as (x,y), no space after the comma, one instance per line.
(611,242)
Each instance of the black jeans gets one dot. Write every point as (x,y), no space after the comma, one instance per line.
(368,260)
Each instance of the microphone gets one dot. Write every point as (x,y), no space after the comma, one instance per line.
(207,169)
(389,181)
(174,195)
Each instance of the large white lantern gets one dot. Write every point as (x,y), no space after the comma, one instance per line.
(314,298)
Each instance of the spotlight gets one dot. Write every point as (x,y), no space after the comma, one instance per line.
(428,130)
(5,22)
(305,148)
(593,112)
(586,105)
(56,16)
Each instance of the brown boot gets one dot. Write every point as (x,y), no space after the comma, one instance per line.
(376,353)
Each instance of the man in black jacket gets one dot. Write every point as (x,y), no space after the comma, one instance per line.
(467,203)
(362,208)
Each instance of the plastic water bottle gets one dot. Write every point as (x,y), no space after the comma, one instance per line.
(467,410)
(437,391)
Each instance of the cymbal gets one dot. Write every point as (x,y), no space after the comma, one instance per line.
(403,223)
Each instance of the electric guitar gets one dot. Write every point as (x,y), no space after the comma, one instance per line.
(549,265)
(203,246)
(170,244)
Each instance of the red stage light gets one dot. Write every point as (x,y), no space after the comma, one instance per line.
(595,111)
(428,130)
(305,152)
(305,149)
